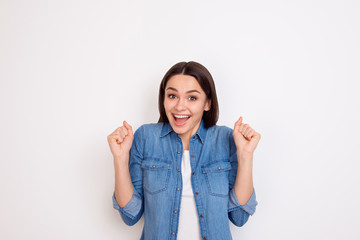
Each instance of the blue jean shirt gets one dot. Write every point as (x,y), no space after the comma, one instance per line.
(155,170)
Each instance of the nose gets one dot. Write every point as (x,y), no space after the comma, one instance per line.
(180,105)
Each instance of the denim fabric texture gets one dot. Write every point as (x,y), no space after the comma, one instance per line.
(155,170)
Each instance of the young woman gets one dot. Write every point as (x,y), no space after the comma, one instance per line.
(186,174)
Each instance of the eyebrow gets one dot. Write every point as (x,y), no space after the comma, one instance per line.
(190,91)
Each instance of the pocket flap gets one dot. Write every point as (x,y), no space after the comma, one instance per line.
(155,164)
(218,166)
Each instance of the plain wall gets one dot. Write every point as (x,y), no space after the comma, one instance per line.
(72,71)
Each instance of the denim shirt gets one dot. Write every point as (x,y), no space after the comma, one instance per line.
(155,170)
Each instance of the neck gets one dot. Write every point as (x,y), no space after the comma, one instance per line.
(185,137)
(185,141)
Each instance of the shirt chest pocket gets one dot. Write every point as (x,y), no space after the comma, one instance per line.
(156,175)
(217,177)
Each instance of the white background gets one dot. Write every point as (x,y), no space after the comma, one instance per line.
(71,71)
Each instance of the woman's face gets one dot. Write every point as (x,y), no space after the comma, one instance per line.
(185,103)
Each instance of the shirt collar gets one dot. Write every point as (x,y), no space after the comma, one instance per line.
(201,132)
(166,129)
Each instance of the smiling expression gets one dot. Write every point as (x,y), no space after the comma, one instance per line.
(185,103)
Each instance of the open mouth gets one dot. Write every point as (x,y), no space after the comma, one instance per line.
(180,119)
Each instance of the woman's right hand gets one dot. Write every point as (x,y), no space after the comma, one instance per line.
(120,141)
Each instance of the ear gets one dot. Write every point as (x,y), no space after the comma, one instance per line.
(207,105)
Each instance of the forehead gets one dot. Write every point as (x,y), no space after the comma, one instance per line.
(183,83)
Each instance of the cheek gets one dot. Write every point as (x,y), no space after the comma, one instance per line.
(198,110)
(167,105)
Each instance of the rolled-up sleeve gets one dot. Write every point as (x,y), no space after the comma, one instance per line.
(131,213)
(239,214)
(133,210)
(249,207)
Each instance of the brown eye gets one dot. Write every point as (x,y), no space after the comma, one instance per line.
(192,98)
(171,96)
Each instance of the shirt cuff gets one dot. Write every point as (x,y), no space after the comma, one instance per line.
(249,207)
(132,208)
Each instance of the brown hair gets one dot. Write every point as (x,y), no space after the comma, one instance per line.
(204,78)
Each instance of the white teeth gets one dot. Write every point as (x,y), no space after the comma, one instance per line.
(181,116)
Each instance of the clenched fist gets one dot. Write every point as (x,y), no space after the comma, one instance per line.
(246,139)
(120,140)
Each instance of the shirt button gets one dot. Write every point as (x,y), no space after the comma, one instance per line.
(178,152)
(204,238)
(179,170)
(192,156)
(197,193)
(201,216)
(193,137)
(174,234)
(219,167)
(178,189)
(153,166)
(193,173)
(175,211)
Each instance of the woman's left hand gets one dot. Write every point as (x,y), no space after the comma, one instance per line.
(246,139)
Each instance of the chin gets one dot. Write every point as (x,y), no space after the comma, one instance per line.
(179,131)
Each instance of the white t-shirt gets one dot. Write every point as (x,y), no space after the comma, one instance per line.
(189,227)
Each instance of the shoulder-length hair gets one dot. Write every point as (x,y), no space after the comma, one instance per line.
(204,78)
